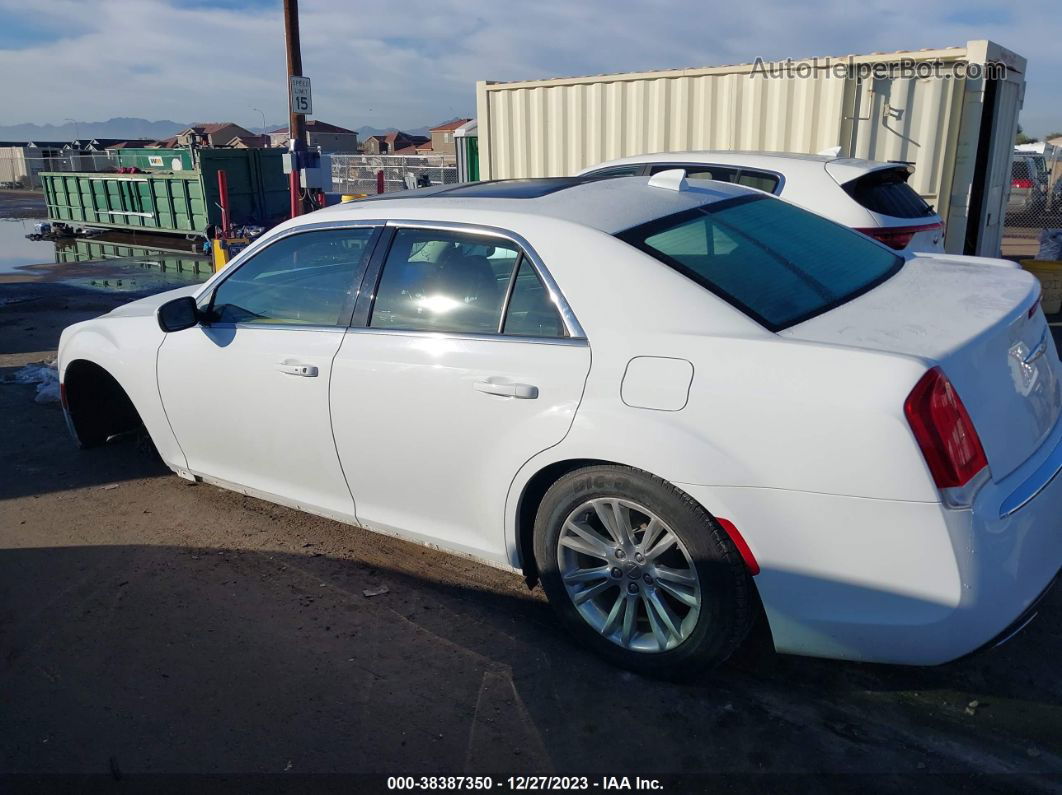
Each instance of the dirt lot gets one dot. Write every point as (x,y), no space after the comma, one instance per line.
(151,626)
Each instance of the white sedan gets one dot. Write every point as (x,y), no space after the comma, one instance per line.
(867,195)
(682,407)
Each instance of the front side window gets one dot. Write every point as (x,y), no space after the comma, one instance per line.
(304,279)
(444,281)
(776,262)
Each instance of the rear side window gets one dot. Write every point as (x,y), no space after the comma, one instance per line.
(444,281)
(718,173)
(776,262)
(750,178)
(617,171)
(531,312)
(435,280)
(886,192)
(758,180)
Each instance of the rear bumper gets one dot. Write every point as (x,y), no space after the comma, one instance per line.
(1023,620)
(897,582)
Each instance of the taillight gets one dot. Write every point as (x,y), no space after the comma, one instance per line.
(1021,183)
(898,237)
(944,431)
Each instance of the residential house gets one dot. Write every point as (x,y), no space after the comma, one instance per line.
(392,143)
(329,137)
(248,142)
(442,137)
(214,134)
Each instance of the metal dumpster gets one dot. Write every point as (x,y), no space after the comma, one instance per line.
(176,202)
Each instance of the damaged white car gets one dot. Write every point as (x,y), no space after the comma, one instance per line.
(683,407)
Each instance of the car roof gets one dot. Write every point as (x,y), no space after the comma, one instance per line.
(610,205)
(785,163)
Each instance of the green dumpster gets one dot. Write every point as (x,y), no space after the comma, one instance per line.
(175,202)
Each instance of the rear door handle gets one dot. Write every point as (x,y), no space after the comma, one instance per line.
(522,391)
(305,370)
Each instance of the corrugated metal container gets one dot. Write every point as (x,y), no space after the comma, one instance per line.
(181,202)
(927,107)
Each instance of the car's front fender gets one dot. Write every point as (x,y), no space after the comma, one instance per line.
(127,348)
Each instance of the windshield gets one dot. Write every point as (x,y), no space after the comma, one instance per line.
(777,263)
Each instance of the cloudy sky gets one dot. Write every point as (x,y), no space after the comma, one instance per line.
(416,62)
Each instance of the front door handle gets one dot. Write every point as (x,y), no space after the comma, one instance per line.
(522,391)
(305,370)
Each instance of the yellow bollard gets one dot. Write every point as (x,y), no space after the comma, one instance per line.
(224,249)
(221,254)
(1049,273)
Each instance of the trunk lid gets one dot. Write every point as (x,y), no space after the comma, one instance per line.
(973,320)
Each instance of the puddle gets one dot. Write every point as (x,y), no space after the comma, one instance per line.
(16,250)
(109,262)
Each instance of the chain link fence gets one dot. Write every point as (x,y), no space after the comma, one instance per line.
(357,173)
(20,169)
(1034,202)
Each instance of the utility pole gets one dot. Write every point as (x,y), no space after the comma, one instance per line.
(297,142)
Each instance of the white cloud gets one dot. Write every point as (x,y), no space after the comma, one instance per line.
(417,61)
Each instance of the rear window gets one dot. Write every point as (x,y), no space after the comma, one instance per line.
(1019,169)
(777,263)
(886,192)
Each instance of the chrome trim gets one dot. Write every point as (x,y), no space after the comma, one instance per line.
(276,327)
(1034,484)
(571,323)
(574,342)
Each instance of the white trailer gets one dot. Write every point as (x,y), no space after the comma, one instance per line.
(951,112)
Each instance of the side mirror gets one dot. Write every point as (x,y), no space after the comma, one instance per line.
(178,314)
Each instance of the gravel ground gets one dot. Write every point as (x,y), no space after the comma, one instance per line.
(153,627)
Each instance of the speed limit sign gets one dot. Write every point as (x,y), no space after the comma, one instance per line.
(300,95)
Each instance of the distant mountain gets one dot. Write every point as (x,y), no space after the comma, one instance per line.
(267,129)
(120,127)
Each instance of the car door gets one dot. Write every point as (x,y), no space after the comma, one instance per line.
(462,363)
(247,393)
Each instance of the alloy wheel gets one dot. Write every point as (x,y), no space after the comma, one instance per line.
(629,575)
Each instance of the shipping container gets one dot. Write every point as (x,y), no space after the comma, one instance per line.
(176,202)
(951,112)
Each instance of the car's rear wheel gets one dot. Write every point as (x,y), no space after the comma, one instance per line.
(640,572)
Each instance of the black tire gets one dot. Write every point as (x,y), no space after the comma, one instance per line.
(727,592)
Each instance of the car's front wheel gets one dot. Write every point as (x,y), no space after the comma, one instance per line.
(640,572)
